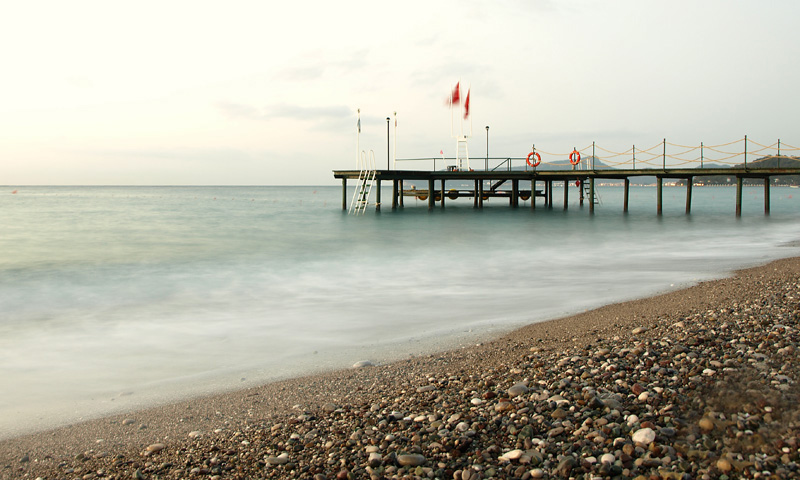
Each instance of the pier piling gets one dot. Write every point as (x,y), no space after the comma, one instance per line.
(689,195)
(659,194)
(625,195)
(738,196)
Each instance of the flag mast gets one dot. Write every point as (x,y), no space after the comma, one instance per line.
(358,136)
(462,148)
(394,154)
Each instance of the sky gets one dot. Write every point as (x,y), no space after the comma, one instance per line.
(267,93)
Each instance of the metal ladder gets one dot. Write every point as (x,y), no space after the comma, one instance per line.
(366,179)
(587,190)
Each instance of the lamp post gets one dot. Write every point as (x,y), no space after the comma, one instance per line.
(487,147)
(388,165)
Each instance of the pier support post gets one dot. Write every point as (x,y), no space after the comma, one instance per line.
(689,182)
(533,194)
(580,192)
(625,195)
(431,196)
(766,196)
(591,195)
(378,196)
(394,194)
(402,189)
(659,184)
(549,194)
(515,193)
(738,196)
(480,197)
(344,193)
(443,193)
(566,193)
(475,202)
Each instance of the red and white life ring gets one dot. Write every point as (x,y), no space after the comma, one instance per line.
(536,162)
(575,157)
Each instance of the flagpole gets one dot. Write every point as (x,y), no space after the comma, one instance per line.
(358,135)
(467,111)
(394,160)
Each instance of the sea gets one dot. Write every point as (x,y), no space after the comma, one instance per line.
(119,298)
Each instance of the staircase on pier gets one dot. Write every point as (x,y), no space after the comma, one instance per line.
(366,180)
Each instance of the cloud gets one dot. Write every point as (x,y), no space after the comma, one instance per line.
(301,74)
(294,112)
(322,64)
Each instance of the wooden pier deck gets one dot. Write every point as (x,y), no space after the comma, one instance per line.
(506,184)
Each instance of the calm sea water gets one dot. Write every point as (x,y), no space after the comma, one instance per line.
(113,298)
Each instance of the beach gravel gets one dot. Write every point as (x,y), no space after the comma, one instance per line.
(699,383)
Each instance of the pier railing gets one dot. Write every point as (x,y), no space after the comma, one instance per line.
(594,156)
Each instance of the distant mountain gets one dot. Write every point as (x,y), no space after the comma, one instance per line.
(763,162)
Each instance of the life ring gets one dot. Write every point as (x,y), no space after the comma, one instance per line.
(578,183)
(536,162)
(575,157)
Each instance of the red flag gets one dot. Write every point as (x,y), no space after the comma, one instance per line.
(456,96)
(466,106)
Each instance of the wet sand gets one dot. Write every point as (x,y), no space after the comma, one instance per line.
(696,383)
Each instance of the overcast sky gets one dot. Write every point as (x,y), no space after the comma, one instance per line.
(266,93)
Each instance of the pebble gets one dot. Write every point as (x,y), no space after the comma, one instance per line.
(607,458)
(363,363)
(644,436)
(724,465)
(517,390)
(412,460)
(281,459)
(154,448)
(515,454)
(706,424)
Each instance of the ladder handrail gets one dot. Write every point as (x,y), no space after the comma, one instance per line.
(366,179)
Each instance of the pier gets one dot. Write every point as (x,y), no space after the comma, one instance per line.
(516,185)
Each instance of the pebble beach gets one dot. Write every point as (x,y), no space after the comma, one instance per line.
(699,383)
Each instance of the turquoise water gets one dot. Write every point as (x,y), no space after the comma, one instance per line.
(119,297)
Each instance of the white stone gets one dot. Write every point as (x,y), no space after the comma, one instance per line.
(607,458)
(537,473)
(645,436)
(363,363)
(512,455)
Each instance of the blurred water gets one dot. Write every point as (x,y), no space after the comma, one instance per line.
(119,297)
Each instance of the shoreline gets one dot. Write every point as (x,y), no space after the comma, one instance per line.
(252,431)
